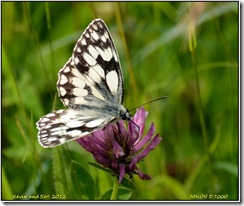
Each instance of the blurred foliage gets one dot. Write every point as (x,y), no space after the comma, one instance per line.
(186,51)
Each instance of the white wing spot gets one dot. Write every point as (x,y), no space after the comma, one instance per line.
(99,70)
(94,35)
(109,52)
(112,81)
(103,39)
(78,49)
(72,63)
(105,54)
(87,35)
(89,59)
(44,137)
(42,125)
(106,35)
(62,91)
(63,128)
(94,26)
(50,115)
(75,123)
(79,92)
(83,42)
(93,51)
(94,75)
(79,100)
(76,73)
(77,82)
(60,111)
(95,123)
(77,61)
(65,101)
(97,94)
(63,80)
(115,55)
(60,132)
(63,118)
(74,133)
(45,119)
(100,25)
(51,139)
(66,70)
(48,126)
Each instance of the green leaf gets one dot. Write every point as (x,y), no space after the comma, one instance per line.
(128,184)
(124,194)
(83,182)
(106,195)
(99,167)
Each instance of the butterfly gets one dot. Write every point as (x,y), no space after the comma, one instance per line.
(90,85)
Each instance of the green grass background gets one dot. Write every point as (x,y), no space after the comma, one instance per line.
(186,51)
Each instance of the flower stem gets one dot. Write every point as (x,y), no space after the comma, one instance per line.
(115,189)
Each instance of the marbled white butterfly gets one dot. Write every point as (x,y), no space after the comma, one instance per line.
(91,85)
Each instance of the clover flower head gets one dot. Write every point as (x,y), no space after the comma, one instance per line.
(119,148)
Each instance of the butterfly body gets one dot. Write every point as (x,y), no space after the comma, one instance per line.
(90,85)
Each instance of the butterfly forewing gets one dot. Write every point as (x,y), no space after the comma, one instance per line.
(96,50)
(93,71)
(91,85)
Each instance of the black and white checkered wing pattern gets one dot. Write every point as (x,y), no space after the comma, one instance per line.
(63,126)
(91,85)
(93,72)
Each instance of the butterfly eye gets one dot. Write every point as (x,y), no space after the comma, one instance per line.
(125,115)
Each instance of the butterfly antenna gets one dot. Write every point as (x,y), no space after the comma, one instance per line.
(131,122)
(149,102)
(134,124)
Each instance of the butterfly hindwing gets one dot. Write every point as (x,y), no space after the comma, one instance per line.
(67,125)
